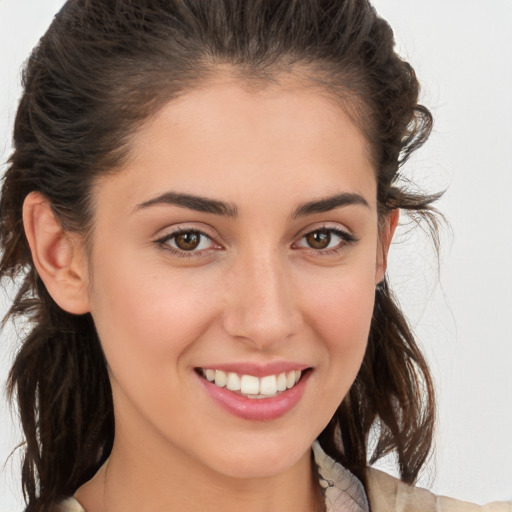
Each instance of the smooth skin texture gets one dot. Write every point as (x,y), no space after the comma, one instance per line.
(269,280)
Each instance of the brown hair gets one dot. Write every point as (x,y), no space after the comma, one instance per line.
(104,67)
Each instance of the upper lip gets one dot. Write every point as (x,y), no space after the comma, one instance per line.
(257,369)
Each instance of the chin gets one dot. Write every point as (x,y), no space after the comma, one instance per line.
(260,459)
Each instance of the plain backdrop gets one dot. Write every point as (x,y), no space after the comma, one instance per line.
(460,309)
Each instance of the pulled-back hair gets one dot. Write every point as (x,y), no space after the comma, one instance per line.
(101,70)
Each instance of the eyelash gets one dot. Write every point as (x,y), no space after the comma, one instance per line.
(346,239)
(163,243)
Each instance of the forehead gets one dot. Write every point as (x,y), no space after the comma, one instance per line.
(225,138)
(272,106)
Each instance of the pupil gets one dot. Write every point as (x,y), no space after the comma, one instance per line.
(319,239)
(187,241)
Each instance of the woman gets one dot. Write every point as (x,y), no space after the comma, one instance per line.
(208,191)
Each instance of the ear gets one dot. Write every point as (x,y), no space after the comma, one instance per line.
(387,230)
(58,255)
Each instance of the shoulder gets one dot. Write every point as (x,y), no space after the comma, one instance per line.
(386,494)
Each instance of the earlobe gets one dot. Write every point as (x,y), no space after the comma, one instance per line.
(57,255)
(386,232)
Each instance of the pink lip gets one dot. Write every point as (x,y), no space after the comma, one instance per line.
(263,409)
(258,370)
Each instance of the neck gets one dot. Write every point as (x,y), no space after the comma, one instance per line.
(135,480)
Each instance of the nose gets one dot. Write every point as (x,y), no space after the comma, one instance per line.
(261,306)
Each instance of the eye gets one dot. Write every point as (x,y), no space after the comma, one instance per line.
(326,239)
(186,241)
(320,239)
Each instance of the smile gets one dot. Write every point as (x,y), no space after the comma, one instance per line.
(251,386)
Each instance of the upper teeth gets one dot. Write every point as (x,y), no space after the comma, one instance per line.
(252,386)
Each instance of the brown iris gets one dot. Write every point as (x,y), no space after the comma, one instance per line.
(187,241)
(319,239)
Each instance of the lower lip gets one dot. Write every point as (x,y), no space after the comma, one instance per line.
(257,409)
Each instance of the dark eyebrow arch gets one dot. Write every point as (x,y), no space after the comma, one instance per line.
(192,202)
(329,203)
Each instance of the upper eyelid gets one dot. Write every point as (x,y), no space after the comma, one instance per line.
(336,227)
(164,238)
(347,239)
(173,234)
(163,242)
(170,231)
(214,236)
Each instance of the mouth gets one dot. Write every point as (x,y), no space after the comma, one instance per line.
(252,392)
(251,386)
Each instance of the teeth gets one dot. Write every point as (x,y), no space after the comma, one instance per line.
(220,378)
(251,386)
(281,382)
(268,385)
(233,382)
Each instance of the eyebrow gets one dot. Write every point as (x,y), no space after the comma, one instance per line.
(197,203)
(206,205)
(327,204)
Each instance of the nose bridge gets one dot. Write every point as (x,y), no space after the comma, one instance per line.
(261,309)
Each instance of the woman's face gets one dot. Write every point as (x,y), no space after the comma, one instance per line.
(240,243)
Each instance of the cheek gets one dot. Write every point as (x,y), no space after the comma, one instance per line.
(347,313)
(146,320)
(148,324)
(340,304)
(339,317)
(340,313)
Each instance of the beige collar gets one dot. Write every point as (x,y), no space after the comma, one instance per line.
(388,494)
(342,490)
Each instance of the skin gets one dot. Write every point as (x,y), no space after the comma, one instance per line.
(254,291)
